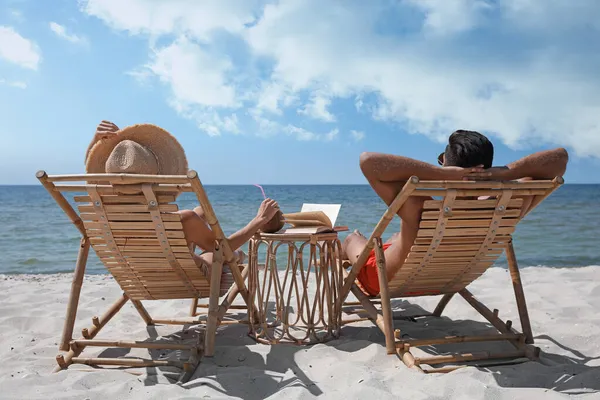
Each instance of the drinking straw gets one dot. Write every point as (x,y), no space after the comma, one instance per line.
(262,190)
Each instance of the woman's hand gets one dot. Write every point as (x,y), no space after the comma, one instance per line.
(105,130)
(267,210)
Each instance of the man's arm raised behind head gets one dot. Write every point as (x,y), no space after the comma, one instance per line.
(392,168)
(387,173)
(546,164)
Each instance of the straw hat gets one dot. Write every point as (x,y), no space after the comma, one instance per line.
(138,149)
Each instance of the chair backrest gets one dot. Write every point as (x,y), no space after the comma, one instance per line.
(136,232)
(462,232)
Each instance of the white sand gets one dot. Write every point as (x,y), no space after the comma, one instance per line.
(563,306)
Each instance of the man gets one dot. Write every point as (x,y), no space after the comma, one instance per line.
(148,149)
(468,156)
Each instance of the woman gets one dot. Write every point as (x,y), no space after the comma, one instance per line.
(148,149)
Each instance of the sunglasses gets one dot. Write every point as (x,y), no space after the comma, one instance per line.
(441,159)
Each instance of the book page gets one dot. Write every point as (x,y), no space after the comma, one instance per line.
(331,210)
(309,218)
(312,230)
(305,230)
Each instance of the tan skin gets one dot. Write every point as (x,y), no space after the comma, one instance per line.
(388,173)
(196,229)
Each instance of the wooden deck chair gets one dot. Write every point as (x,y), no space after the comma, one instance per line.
(459,238)
(129,221)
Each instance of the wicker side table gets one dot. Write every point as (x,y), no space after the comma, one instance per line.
(299,303)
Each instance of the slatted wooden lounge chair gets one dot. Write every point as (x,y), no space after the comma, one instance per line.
(459,238)
(129,221)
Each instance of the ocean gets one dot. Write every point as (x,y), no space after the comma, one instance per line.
(37,237)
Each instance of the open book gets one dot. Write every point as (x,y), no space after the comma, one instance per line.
(313,218)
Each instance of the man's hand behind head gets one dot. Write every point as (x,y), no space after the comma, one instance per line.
(459,173)
(491,174)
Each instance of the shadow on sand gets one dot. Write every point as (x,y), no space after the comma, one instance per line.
(258,371)
(240,367)
(569,374)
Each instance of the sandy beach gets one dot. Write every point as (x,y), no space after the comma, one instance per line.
(563,306)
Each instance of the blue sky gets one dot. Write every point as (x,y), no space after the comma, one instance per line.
(293,91)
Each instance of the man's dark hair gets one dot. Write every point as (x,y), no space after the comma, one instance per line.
(468,149)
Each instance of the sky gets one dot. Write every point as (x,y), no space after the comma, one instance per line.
(292,91)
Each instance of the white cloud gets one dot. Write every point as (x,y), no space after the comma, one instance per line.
(331,135)
(524,71)
(195,76)
(142,75)
(357,135)
(317,108)
(434,85)
(358,103)
(168,17)
(17,15)
(267,128)
(62,33)
(300,133)
(15,84)
(210,121)
(553,17)
(198,82)
(272,97)
(449,17)
(305,135)
(18,50)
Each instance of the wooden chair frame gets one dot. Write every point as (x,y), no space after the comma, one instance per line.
(490,231)
(149,185)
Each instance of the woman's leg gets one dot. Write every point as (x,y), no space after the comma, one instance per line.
(204,261)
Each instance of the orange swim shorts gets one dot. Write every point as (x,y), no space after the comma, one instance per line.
(368,277)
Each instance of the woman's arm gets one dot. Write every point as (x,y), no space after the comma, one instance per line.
(197,230)
(266,211)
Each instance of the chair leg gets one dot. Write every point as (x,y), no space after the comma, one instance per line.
(143,312)
(531,352)
(485,312)
(67,334)
(442,304)
(194,307)
(90,333)
(386,306)
(213,301)
(189,368)
(227,302)
(407,358)
(519,293)
(98,323)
